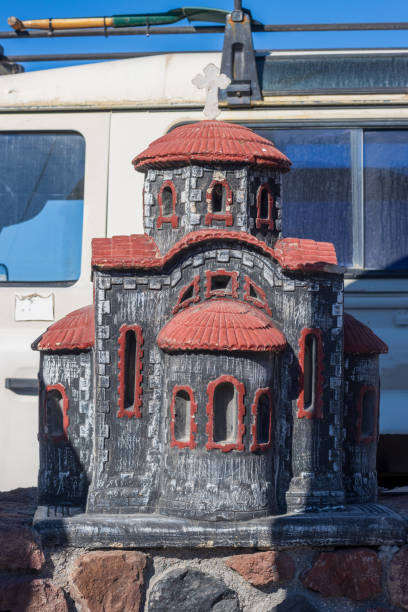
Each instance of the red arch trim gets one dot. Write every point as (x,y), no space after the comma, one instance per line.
(195,283)
(268,221)
(65,417)
(227,216)
(317,411)
(259,302)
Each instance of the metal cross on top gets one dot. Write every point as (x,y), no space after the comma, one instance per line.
(211,80)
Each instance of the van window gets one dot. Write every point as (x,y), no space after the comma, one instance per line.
(386,189)
(41,206)
(348,186)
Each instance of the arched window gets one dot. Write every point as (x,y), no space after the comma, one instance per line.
(56,419)
(367,411)
(225,410)
(310,402)
(219,203)
(262,420)
(265,207)
(188,295)
(255,295)
(221,283)
(182,423)
(167,205)
(130,366)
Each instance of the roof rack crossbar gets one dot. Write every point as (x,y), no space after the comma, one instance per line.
(142,31)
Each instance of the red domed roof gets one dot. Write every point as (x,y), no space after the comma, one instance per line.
(360,339)
(211,142)
(76,331)
(221,325)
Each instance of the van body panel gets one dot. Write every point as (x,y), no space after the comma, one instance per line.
(18,413)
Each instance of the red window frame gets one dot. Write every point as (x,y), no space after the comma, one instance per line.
(240,387)
(316,412)
(260,302)
(227,215)
(360,438)
(173,218)
(193,425)
(260,221)
(256,446)
(65,417)
(209,274)
(195,283)
(135,412)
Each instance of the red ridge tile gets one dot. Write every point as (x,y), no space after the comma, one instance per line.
(141,252)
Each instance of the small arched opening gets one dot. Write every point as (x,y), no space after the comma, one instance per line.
(225,410)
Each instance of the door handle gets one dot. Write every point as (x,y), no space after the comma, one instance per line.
(22,386)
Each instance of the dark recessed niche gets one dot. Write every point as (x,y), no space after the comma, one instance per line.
(263,417)
(368,414)
(130,368)
(167,202)
(188,294)
(252,292)
(264,204)
(55,413)
(221,282)
(309,371)
(218,198)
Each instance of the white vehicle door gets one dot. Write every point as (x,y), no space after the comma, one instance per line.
(53,191)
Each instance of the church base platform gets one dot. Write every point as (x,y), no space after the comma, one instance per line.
(357,525)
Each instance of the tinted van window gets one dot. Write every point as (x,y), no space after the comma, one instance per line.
(386,203)
(348,186)
(41,206)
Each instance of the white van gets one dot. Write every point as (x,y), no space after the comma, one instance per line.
(67,138)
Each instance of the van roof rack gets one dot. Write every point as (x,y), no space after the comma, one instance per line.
(238,55)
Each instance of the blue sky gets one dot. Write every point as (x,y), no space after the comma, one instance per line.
(267,11)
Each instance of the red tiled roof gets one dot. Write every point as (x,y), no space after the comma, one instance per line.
(211,142)
(360,339)
(301,254)
(140,251)
(76,331)
(221,325)
(135,251)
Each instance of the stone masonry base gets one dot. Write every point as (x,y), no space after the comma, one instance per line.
(110,577)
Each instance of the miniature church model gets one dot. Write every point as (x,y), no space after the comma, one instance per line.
(215,376)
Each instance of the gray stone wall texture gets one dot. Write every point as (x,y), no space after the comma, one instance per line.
(191,184)
(65,465)
(360,453)
(130,475)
